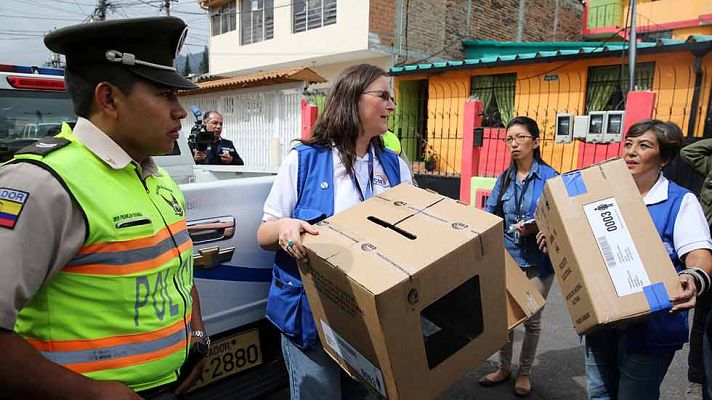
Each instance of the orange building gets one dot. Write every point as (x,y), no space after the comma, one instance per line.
(656,19)
(543,80)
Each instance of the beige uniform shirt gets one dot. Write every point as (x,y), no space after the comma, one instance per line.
(50,228)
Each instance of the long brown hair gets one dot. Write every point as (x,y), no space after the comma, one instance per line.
(339,125)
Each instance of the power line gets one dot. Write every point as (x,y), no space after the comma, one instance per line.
(43,6)
(79,7)
(20,38)
(21,31)
(576,59)
(73,2)
(40,18)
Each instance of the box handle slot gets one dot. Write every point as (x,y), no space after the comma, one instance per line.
(388,225)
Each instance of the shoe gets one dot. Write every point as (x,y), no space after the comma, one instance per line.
(495,378)
(522,386)
(694,391)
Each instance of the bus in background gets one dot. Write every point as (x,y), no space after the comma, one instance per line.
(33,104)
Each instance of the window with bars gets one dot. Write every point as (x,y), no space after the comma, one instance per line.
(497,95)
(223,19)
(256,21)
(607,86)
(312,14)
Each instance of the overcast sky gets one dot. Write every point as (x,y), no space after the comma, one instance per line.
(23,23)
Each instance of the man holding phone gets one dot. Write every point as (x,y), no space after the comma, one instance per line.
(220,151)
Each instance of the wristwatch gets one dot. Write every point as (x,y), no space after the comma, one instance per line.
(202,335)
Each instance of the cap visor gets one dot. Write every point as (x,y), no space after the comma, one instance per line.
(165,78)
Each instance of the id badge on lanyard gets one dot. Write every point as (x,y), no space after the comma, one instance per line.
(518,208)
(368,192)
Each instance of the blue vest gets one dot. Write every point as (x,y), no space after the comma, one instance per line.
(287,305)
(662,332)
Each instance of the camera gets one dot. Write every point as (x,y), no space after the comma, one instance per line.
(199,138)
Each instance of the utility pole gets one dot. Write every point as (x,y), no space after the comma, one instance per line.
(632,44)
(100,11)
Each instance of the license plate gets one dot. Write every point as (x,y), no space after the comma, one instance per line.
(231,355)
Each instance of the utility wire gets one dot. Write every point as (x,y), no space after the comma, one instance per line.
(44,6)
(580,56)
(40,18)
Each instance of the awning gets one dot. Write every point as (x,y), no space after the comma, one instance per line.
(267,78)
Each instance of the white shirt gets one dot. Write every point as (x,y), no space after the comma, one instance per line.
(690,231)
(283,197)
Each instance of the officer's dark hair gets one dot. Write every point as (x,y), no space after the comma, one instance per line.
(669,135)
(209,114)
(82,80)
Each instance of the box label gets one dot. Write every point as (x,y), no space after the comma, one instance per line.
(617,247)
(369,372)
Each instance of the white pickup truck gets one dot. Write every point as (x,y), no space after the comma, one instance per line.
(232,273)
(224,210)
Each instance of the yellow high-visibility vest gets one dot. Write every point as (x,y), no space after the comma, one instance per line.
(390,140)
(120,309)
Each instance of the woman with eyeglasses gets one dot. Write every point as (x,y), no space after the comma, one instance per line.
(630,362)
(514,198)
(343,164)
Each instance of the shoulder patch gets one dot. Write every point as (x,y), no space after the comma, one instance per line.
(11,203)
(44,146)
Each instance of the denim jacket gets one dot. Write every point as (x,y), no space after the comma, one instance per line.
(524,250)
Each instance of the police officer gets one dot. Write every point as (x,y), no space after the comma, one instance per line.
(96,286)
(220,151)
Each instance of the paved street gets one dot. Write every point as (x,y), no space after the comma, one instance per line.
(559,369)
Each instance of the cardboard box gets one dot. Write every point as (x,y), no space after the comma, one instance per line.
(408,290)
(608,257)
(523,299)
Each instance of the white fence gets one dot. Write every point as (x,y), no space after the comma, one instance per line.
(254,119)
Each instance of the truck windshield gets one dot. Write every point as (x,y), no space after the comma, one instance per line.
(33,114)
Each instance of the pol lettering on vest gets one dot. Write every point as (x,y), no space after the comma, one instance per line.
(11,203)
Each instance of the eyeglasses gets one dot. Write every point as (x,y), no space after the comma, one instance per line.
(518,138)
(385,95)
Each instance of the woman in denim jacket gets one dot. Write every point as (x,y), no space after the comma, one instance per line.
(514,198)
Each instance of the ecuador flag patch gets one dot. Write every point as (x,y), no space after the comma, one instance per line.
(11,203)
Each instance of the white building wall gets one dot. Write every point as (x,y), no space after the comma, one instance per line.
(255,119)
(331,71)
(328,44)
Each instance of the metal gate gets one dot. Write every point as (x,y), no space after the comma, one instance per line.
(253,119)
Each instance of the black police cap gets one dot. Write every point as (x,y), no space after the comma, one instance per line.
(144,46)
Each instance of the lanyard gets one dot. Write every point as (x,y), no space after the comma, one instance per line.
(363,195)
(518,199)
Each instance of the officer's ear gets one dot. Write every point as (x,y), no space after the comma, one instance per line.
(105,97)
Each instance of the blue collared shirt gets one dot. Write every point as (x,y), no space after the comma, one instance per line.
(524,250)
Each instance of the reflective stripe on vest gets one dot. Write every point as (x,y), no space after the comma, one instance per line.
(120,309)
(128,257)
(114,352)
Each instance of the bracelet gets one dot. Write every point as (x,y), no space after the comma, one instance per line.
(700,283)
(704,276)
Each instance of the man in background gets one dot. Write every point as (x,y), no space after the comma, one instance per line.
(220,151)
